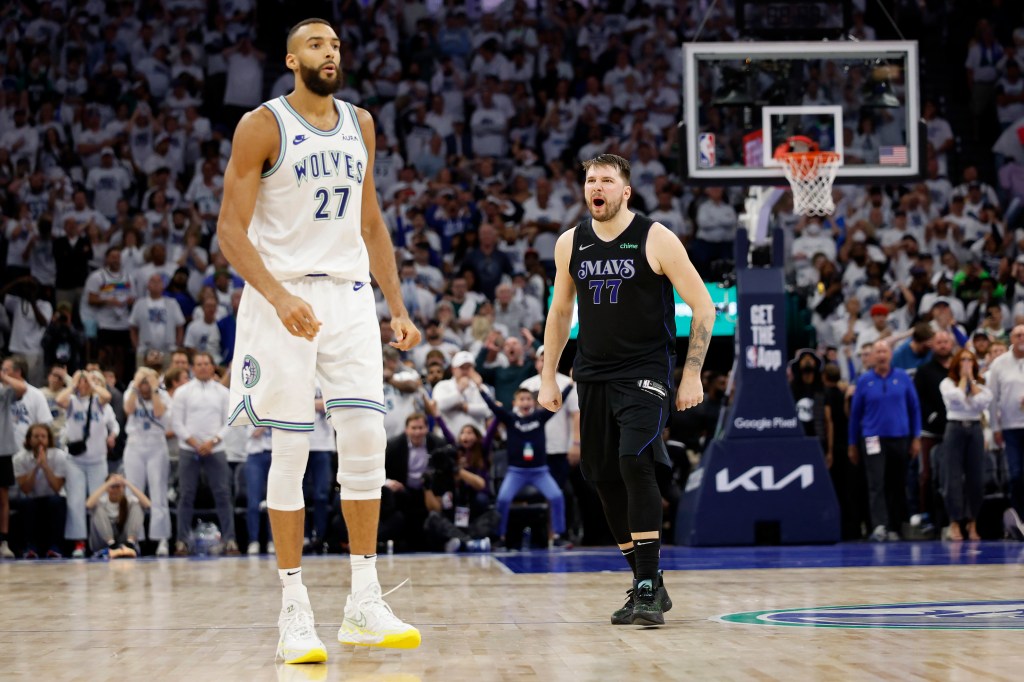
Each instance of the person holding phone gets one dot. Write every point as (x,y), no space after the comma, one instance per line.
(963,447)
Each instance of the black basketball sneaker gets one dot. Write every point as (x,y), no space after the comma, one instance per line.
(624,615)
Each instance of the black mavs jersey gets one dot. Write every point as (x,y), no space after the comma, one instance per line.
(626,311)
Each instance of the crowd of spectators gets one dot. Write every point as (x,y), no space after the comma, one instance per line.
(117,120)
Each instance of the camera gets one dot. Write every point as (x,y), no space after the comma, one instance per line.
(440,473)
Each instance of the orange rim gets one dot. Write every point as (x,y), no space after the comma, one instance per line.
(804,165)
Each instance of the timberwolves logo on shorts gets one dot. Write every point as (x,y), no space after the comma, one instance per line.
(250,371)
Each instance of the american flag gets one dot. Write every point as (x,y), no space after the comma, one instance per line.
(893,155)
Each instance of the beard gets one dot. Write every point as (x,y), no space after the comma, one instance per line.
(607,211)
(316,83)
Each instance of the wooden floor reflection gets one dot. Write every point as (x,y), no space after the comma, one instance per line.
(176,619)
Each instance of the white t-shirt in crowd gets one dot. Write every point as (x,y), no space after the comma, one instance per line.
(116,285)
(26,332)
(24,462)
(204,336)
(157,321)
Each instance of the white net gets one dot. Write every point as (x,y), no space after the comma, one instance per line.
(811,175)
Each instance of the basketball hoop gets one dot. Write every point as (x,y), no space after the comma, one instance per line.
(811,173)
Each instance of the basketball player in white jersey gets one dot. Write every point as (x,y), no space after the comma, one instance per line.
(301,224)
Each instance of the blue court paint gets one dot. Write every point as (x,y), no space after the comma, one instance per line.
(846,555)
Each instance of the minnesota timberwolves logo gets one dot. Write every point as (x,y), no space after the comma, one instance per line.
(955,615)
(250,371)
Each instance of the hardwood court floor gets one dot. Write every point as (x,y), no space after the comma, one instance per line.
(178,619)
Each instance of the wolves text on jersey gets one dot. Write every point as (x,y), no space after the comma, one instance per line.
(328,164)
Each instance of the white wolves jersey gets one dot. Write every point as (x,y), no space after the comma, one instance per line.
(309,208)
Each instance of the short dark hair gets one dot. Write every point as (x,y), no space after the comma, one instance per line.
(304,22)
(923,332)
(202,353)
(615,161)
(523,390)
(172,375)
(415,417)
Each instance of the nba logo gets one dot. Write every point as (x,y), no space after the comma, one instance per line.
(751,357)
(706,150)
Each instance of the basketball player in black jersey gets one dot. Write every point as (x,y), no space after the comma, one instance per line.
(622,267)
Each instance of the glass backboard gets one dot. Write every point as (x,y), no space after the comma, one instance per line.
(743,100)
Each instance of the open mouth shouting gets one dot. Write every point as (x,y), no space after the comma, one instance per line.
(597,202)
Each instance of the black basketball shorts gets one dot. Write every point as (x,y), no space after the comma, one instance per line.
(621,419)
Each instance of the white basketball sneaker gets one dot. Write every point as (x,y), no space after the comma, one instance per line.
(369,621)
(299,642)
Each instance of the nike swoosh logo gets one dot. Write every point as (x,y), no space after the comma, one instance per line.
(360,623)
(584,248)
(641,544)
(293,572)
(299,139)
(358,285)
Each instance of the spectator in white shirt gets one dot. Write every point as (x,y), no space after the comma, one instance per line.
(22,141)
(244,88)
(29,318)
(199,418)
(90,431)
(108,183)
(146,458)
(459,399)
(385,70)
(402,387)
(157,322)
(117,518)
(40,469)
(668,212)
(204,335)
(18,233)
(489,127)
(111,295)
(716,230)
(940,136)
(32,407)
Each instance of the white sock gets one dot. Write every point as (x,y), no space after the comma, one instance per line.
(291,582)
(364,571)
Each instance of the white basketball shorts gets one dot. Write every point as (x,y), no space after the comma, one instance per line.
(273,373)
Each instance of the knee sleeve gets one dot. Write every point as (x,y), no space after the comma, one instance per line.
(361,443)
(289,452)
(644,496)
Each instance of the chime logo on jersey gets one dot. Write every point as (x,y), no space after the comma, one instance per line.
(956,615)
(615,267)
(250,372)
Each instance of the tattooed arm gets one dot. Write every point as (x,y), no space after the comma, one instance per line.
(668,257)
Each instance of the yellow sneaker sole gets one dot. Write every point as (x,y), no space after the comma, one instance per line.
(311,656)
(402,640)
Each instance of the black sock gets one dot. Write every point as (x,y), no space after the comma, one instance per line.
(3,537)
(648,553)
(630,555)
